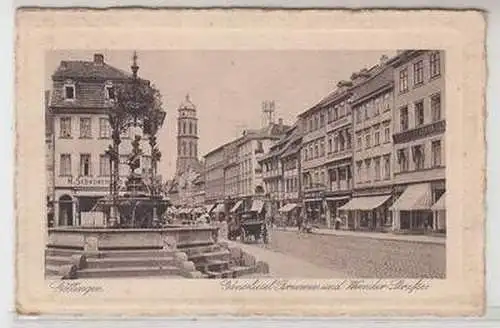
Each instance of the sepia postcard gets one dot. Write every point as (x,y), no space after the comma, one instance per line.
(250,162)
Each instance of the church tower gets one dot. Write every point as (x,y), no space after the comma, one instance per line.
(187,137)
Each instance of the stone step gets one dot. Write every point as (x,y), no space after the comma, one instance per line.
(242,271)
(113,262)
(61,252)
(52,270)
(221,274)
(194,244)
(210,255)
(122,272)
(153,253)
(57,260)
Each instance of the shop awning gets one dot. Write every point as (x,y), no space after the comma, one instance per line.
(209,208)
(257,206)
(415,197)
(236,206)
(310,200)
(440,205)
(219,208)
(365,203)
(287,208)
(337,198)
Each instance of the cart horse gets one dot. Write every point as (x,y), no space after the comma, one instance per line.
(248,226)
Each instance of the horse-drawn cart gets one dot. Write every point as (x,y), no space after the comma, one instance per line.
(249,226)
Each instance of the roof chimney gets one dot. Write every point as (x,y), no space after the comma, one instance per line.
(98,59)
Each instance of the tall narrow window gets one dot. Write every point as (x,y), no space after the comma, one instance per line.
(435,64)
(403,80)
(387,134)
(321,120)
(110,92)
(348,137)
(65,165)
(418,157)
(419,113)
(341,141)
(368,140)
(69,92)
(376,140)
(377,168)
(436,107)
(336,142)
(330,145)
(436,153)
(368,171)
(65,125)
(104,165)
(322,148)
(104,128)
(403,160)
(403,116)
(418,72)
(359,171)
(387,167)
(85,165)
(358,115)
(360,142)
(85,128)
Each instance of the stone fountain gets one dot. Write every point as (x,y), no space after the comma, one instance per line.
(133,242)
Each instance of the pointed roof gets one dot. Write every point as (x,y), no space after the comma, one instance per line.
(187,104)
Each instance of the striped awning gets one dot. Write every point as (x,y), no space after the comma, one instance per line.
(257,206)
(365,203)
(440,205)
(236,206)
(287,208)
(415,197)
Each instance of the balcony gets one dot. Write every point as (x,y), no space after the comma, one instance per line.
(340,154)
(421,132)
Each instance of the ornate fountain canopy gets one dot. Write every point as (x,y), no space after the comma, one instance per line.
(137,103)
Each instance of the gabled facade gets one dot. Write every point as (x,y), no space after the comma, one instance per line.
(82,93)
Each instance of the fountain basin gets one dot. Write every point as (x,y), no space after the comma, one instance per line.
(96,239)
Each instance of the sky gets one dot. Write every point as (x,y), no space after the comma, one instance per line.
(228,87)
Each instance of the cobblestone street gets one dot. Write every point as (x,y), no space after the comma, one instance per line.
(359,257)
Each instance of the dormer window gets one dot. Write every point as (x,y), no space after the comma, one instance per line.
(69,91)
(110,91)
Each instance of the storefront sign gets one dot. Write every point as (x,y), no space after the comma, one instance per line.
(90,181)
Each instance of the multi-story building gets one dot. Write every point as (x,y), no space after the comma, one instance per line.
(281,172)
(254,145)
(49,159)
(419,140)
(233,174)
(82,93)
(231,169)
(372,103)
(214,175)
(327,155)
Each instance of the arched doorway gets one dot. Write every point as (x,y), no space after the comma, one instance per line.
(65,211)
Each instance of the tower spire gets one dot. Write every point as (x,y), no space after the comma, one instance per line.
(134,66)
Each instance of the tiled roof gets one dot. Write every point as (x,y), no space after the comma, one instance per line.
(89,78)
(78,69)
(382,77)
